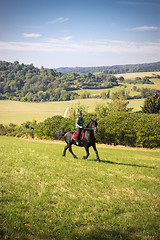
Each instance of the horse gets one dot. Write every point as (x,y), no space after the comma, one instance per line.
(88,140)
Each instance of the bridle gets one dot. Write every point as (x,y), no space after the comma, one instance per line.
(91,128)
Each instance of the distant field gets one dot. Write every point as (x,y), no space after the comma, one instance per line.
(128,87)
(47,196)
(137,74)
(20,112)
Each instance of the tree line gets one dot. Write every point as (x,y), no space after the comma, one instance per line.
(117,69)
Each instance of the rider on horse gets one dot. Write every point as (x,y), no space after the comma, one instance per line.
(79,125)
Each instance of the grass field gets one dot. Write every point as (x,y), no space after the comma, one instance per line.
(137,74)
(46,196)
(20,112)
(129,87)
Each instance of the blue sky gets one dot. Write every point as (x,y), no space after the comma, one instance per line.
(69,33)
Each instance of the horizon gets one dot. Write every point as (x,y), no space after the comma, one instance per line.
(119,65)
(65,33)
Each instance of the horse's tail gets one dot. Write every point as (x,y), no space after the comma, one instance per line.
(60,133)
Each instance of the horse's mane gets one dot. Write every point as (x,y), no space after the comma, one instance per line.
(88,124)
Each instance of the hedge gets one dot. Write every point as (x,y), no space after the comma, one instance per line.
(129,129)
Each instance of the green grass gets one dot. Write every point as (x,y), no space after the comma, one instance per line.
(20,112)
(46,196)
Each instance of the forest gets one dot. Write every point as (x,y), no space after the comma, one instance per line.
(116,69)
(20,82)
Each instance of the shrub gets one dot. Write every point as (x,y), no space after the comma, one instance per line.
(152,104)
(123,128)
(130,129)
(46,129)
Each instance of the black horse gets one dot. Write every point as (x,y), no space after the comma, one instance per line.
(87,141)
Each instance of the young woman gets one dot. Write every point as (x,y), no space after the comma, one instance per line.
(79,125)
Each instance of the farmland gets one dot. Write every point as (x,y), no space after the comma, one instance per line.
(46,196)
(137,74)
(19,112)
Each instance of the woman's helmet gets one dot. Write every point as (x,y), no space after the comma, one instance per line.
(79,114)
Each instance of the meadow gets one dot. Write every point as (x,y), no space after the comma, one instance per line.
(137,74)
(20,112)
(47,196)
(128,87)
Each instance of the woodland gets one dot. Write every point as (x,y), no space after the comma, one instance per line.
(21,82)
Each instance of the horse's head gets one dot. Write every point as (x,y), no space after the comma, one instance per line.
(93,125)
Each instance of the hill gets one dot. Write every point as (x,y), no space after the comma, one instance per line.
(116,69)
(22,82)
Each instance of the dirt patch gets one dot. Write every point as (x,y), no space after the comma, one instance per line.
(127,147)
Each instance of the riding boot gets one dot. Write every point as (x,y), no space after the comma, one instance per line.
(78,137)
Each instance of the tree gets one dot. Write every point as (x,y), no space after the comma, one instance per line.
(152,104)
(103,95)
(101,110)
(121,79)
(119,105)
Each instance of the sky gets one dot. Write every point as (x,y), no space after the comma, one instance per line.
(79,33)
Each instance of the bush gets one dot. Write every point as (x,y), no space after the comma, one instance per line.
(130,129)
(47,129)
(16,131)
(152,104)
(119,128)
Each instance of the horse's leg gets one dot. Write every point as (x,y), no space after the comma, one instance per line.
(95,149)
(70,149)
(87,151)
(65,149)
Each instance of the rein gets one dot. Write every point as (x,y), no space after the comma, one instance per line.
(89,128)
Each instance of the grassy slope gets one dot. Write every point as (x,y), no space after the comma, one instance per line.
(20,112)
(45,196)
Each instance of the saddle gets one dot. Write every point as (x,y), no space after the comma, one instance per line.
(81,135)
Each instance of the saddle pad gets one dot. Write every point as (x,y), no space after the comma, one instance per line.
(75,135)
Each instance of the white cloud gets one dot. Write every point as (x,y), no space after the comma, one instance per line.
(67,38)
(145,28)
(68,45)
(31,35)
(59,40)
(59,20)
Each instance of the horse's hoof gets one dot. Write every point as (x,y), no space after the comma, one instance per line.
(75,157)
(84,157)
(63,155)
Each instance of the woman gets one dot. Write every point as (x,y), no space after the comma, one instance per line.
(79,125)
